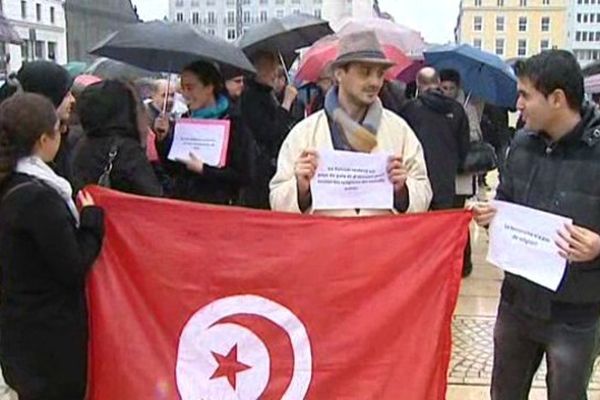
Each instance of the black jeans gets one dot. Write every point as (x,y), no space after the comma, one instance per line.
(520,341)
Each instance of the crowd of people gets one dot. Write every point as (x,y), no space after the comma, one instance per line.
(58,135)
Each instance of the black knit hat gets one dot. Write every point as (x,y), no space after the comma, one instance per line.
(45,78)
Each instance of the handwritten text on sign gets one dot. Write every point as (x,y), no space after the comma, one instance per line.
(352,180)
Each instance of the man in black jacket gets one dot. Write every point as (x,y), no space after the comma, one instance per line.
(443,129)
(269,121)
(553,166)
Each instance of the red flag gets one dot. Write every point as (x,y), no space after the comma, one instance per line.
(197,302)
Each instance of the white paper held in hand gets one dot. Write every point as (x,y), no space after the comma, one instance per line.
(346,180)
(522,242)
(207,139)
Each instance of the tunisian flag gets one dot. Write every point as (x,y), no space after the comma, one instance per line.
(197,302)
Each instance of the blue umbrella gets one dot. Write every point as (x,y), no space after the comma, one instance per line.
(484,75)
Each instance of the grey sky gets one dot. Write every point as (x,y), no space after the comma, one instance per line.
(434,18)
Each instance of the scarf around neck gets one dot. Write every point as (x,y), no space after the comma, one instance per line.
(348,134)
(35,167)
(215,112)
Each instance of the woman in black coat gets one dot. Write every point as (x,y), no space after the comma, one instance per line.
(47,248)
(113,118)
(202,87)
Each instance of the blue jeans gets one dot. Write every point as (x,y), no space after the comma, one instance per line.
(520,342)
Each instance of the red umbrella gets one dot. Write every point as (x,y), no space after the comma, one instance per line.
(325,51)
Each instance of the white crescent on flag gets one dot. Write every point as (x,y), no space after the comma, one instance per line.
(220,359)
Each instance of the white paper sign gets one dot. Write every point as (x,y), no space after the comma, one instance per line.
(206,139)
(522,242)
(346,180)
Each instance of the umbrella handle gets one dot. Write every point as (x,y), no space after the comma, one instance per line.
(165,101)
(287,74)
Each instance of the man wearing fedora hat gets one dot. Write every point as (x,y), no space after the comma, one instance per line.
(353,120)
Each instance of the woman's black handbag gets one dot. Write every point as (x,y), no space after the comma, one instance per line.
(480,158)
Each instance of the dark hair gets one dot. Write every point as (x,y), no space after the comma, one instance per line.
(450,75)
(208,74)
(552,70)
(24,118)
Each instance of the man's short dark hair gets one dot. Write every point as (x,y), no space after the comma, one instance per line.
(450,75)
(552,70)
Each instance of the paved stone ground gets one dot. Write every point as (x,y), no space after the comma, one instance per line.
(472,356)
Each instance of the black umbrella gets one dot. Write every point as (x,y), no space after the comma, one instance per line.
(169,47)
(284,35)
(106,68)
(8,34)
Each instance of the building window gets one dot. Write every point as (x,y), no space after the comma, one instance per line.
(246,17)
(546,24)
(477,3)
(264,16)
(264,2)
(477,24)
(23,9)
(578,17)
(231,34)
(318,13)
(179,3)
(522,48)
(296,11)
(195,18)
(230,17)
(597,36)
(52,16)
(522,24)
(477,43)
(578,36)
(544,45)
(280,13)
(51,50)
(585,18)
(210,2)
(38,12)
(211,17)
(39,50)
(212,32)
(500,24)
(179,17)
(523,3)
(500,3)
(546,2)
(500,47)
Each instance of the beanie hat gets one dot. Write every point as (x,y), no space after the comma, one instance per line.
(45,78)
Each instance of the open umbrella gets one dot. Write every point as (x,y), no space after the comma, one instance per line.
(105,68)
(169,47)
(408,40)
(284,35)
(483,74)
(323,52)
(8,34)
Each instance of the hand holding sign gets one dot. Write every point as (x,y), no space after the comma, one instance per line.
(397,173)
(305,169)
(578,244)
(194,164)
